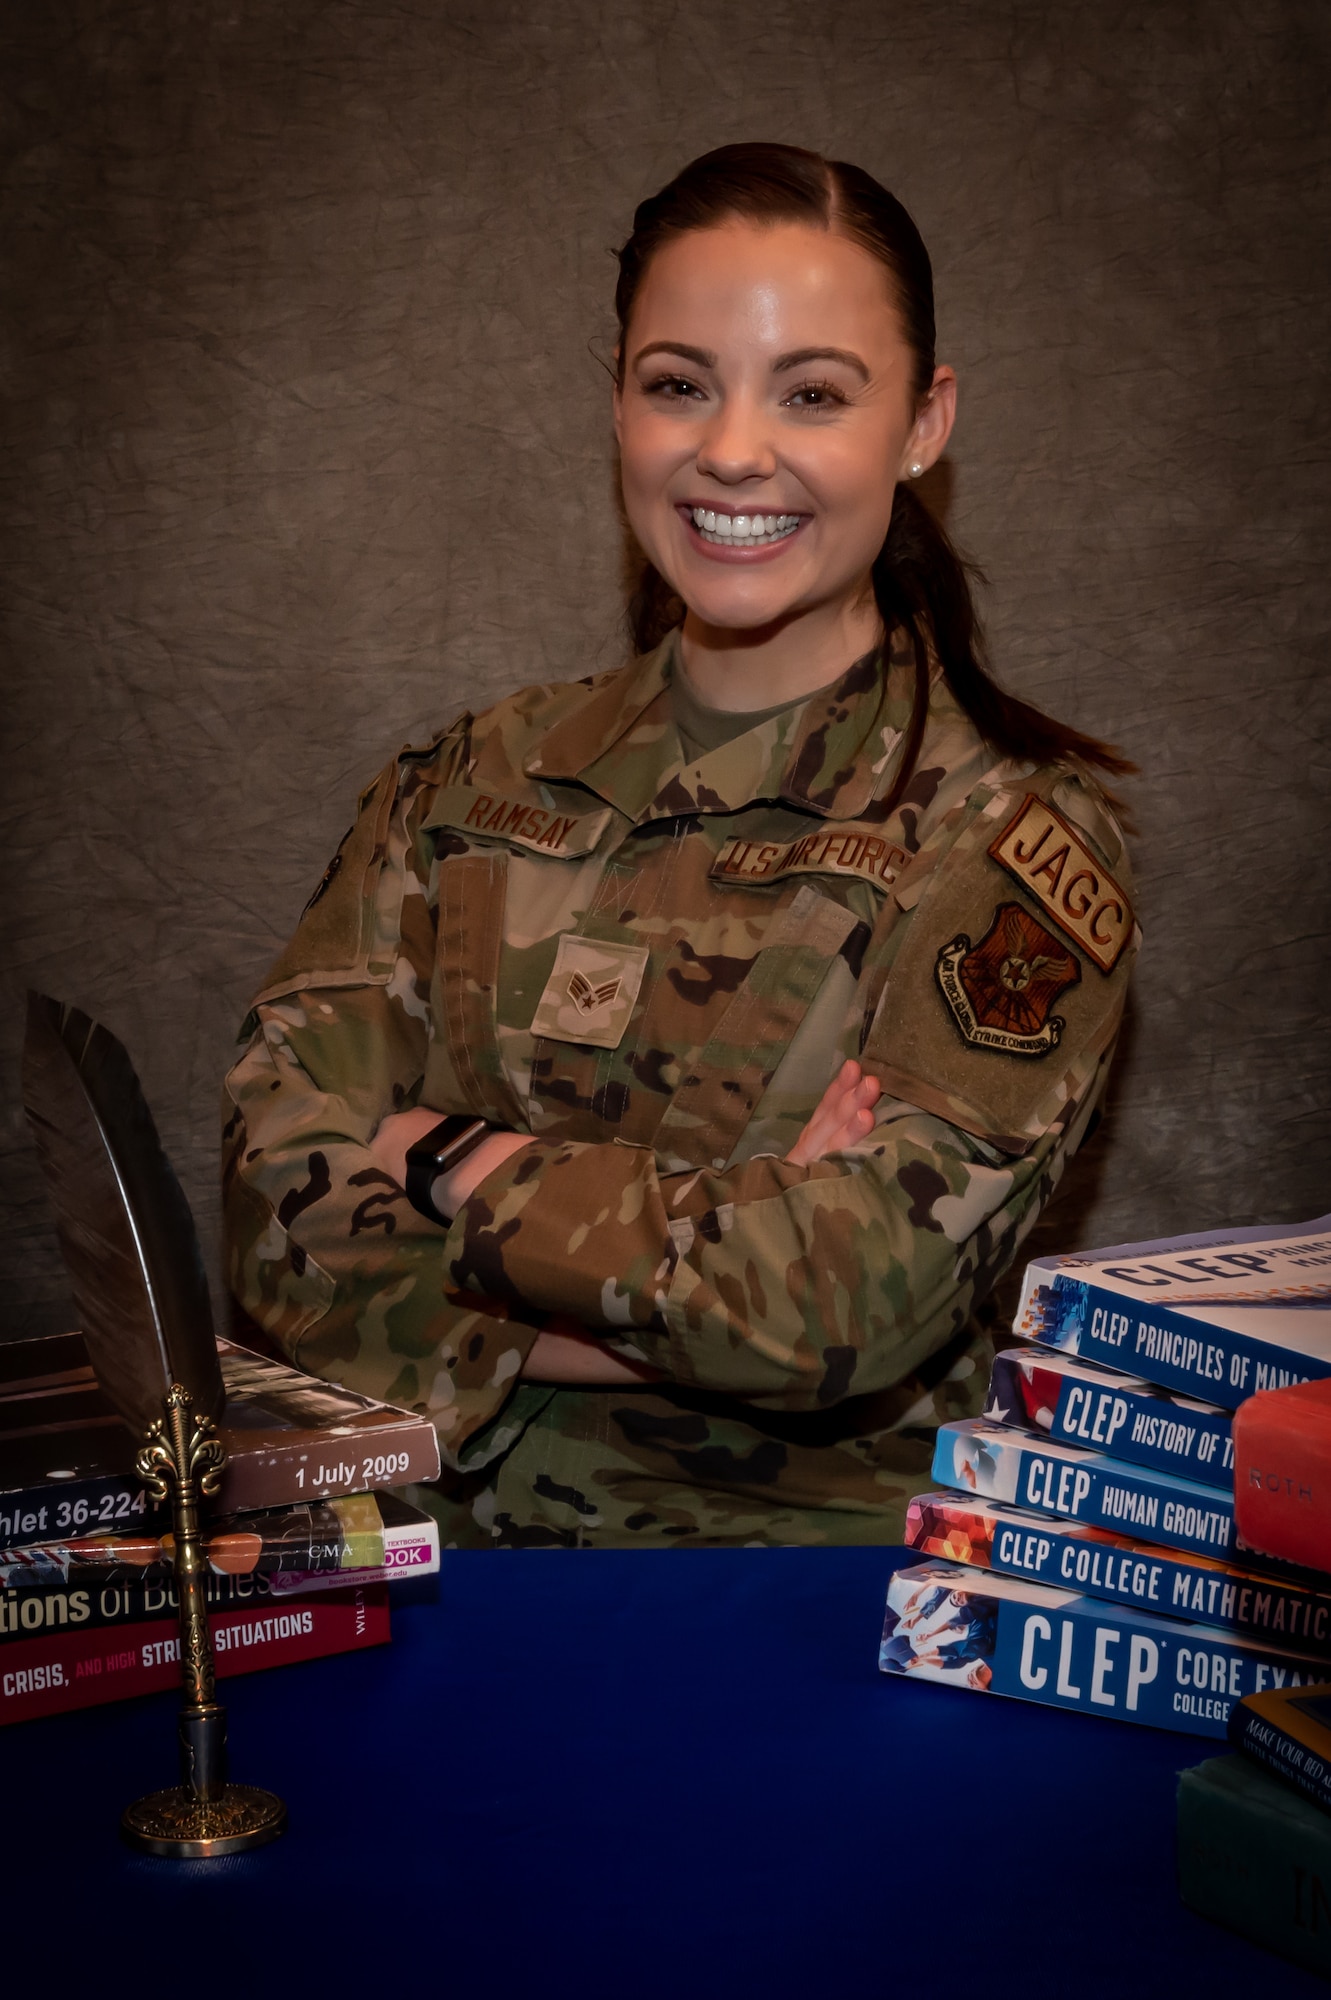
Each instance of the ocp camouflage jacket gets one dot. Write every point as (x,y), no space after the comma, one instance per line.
(546,917)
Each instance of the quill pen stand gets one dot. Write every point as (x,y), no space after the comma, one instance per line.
(203,1816)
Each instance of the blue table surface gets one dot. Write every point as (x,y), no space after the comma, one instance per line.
(635,1773)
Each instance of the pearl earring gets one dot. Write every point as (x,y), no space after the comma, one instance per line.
(916,469)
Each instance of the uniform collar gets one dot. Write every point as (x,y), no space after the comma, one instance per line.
(831,756)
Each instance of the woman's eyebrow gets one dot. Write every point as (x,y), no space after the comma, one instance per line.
(701,357)
(801,355)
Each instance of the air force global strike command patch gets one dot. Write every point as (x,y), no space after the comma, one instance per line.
(1000,991)
(1041,852)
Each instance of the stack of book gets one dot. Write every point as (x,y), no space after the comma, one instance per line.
(1254,1831)
(1086,1553)
(301,1543)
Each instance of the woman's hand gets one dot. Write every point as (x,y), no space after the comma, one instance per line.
(844,1115)
(564,1352)
(401,1129)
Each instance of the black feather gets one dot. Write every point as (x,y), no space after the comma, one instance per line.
(125,1226)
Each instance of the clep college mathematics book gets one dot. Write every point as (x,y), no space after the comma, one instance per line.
(1074,1555)
(1000,1635)
(67,1459)
(1218,1315)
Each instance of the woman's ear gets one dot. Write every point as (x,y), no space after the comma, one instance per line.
(933,425)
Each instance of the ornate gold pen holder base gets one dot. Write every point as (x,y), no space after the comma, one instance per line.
(174,1824)
(203,1816)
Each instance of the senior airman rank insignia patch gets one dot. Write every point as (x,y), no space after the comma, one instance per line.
(1000,991)
(590,994)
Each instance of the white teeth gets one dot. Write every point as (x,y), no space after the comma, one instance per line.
(744,531)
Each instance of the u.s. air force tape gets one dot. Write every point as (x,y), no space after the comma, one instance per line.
(842,850)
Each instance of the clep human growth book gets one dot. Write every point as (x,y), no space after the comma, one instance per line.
(1031,1471)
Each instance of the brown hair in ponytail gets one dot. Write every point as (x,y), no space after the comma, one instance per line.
(920,582)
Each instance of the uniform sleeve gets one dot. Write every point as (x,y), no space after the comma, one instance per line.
(323,1248)
(794,1287)
(791,1287)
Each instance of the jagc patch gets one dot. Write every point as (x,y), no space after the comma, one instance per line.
(1000,991)
(1041,852)
(842,850)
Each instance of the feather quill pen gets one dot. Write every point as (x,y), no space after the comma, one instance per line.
(125,1227)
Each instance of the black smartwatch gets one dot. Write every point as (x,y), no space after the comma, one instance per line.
(444,1147)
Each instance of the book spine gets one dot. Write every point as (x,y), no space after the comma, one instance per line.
(1261,1872)
(1123,1572)
(70,1670)
(51,1512)
(1282,1481)
(1150,1506)
(1125,1421)
(1070,1652)
(1171,1348)
(395,1455)
(104,1606)
(1291,1760)
(411,1548)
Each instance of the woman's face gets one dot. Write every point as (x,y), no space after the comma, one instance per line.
(764,418)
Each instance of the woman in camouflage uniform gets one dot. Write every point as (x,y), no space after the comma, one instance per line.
(783,965)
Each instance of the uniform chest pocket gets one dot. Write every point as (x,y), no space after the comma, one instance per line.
(466,1071)
(505,863)
(726,1076)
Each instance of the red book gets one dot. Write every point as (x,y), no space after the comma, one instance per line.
(79,1668)
(1282,1473)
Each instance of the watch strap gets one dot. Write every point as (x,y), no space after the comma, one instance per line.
(442,1148)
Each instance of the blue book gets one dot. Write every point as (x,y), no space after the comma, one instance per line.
(1030,1471)
(1218,1315)
(998,1635)
(989,1534)
(1082,1404)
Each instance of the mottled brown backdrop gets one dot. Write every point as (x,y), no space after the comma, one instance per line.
(306,446)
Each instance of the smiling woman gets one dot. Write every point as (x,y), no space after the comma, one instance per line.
(669,1064)
(760,467)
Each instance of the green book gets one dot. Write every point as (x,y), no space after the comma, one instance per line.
(1255,1856)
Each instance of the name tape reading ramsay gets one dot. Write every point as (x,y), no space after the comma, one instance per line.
(539,827)
(841,851)
(1040,850)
